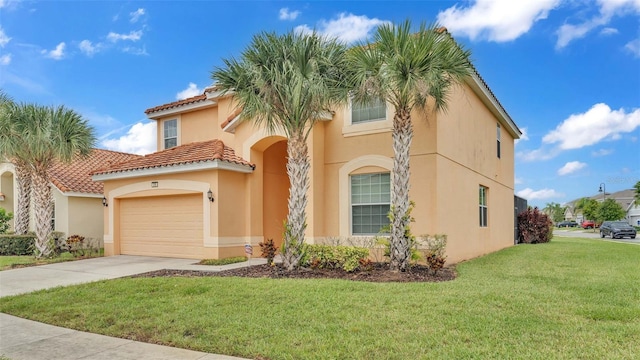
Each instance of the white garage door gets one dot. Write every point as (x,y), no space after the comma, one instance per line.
(168,226)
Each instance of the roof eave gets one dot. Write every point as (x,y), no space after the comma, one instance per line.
(174,169)
(478,86)
(203,104)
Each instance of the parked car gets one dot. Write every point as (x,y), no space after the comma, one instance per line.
(567,224)
(588,224)
(617,229)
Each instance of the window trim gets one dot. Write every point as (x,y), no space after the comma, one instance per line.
(352,205)
(483,207)
(498,138)
(384,163)
(367,127)
(163,137)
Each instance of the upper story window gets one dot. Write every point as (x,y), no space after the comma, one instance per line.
(170,133)
(375,111)
(370,203)
(498,140)
(483,206)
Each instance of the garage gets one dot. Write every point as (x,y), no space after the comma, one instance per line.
(166,226)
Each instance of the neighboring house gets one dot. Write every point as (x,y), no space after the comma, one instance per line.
(77,198)
(633,214)
(462,179)
(624,198)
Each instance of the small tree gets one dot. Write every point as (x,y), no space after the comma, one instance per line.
(637,196)
(555,211)
(534,227)
(609,210)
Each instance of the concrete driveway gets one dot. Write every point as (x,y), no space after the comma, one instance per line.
(23,280)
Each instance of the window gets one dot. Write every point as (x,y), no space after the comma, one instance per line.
(370,203)
(483,206)
(170,133)
(498,139)
(375,111)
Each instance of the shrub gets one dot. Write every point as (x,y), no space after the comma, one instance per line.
(79,246)
(17,244)
(59,240)
(534,227)
(5,217)
(434,251)
(226,261)
(269,250)
(348,258)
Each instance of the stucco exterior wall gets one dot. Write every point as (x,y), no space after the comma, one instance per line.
(83,212)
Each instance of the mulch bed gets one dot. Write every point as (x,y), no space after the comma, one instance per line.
(378,273)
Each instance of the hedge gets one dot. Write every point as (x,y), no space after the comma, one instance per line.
(17,244)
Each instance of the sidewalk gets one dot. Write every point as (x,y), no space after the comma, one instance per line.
(31,340)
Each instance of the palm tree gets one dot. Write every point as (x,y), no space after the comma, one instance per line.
(407,70)
(286,82)
(35,138)
(8,144)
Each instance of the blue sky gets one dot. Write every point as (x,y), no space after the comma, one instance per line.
(568,72)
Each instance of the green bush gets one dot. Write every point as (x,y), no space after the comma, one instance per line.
(5,217)
(348,258)
(17,244)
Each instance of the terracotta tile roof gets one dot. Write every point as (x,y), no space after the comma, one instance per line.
(191,100)
(76,176)
(197,152)
(230,118)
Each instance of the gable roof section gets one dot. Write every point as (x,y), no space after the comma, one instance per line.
(204,155)
(175,104)
(75,177)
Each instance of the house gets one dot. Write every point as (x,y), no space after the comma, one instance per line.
(77,198)
(624,198)
(216,183)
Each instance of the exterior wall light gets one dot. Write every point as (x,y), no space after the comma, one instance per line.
(104,202)
(210,195)
(1,196)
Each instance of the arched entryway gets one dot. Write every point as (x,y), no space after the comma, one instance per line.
(275,187)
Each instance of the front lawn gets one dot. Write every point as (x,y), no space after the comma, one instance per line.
(568,299)
(12,262)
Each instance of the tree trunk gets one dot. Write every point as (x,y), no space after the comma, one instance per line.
(298,172)
(400,246)
(23,180)
(43,204)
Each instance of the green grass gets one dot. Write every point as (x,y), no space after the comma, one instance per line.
(226,261)
(568,299)
(11,262)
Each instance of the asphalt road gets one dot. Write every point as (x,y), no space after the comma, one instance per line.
(589,234)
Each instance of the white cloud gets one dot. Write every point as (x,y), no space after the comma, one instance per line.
(135,16)
(634,47)
(57,53)
(602,152)
(132,36)
(88,48)
(191,91)
(4,39)
(495,20)
(518,180)
(348,28)
(285,14)
(523,137)
(135,50)
(607,10)
(597,124)
(5,59)
(571,167)
(538,154)
(140,139)
(608,31)
(542,194)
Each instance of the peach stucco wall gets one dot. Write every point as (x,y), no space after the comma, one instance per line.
(452,154)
